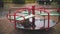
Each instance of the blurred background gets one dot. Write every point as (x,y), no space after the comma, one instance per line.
(5,5)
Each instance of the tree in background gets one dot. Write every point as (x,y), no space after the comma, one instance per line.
(1,3)
(19,1)
(47,2)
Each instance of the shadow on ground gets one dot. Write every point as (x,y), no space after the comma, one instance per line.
(8,28)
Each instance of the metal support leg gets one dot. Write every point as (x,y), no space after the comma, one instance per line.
(33,18)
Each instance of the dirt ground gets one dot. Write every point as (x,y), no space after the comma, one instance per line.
(8,28)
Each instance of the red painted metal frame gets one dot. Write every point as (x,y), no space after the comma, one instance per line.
(33,19)
(44,16)
(15,20)
(14,14)
(33,12)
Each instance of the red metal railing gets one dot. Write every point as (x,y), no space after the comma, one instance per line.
(33,12)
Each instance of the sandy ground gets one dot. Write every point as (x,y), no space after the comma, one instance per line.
(8,28)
